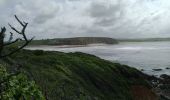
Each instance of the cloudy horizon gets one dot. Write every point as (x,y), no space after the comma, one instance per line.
(97,18)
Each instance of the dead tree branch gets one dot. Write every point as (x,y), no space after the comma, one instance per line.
(21,32)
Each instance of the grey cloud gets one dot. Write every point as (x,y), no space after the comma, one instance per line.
(49,12)
(42,18)
(100,10)
(105,22)
(69,18)
(106,14)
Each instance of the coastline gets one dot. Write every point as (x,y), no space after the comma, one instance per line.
(71,46)
(135,55)
(152,85)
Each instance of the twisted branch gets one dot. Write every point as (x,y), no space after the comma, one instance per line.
(10,42)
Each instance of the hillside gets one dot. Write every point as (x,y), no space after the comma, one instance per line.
(144,40)
(75,41)
(79,76)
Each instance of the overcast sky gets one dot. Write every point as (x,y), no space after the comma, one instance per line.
(75,18)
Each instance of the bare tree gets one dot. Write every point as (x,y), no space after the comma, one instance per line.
(21,32)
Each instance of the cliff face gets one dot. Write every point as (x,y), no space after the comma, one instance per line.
(79,76)
(75,41)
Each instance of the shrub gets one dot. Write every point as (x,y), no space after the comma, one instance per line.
(38,52)
(18,87)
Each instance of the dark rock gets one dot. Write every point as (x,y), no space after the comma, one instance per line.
(162,87)
(152,78)
(157,69)
(163,97)
(164,76)
(165,87)
(165,79)
(167,67)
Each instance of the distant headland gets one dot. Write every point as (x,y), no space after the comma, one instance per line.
(75,41)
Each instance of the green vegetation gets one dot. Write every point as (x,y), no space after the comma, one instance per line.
(17,87)
(74,41)
(78,76)
(14,84)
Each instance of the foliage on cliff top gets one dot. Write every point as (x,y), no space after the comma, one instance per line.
(78,76)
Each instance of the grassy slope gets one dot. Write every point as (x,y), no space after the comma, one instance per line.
(79,76)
